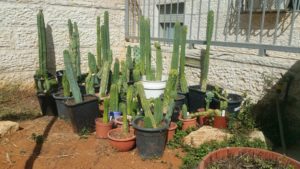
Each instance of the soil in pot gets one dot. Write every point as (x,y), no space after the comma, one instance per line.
(150,142)
(121,141)
(102,129)
(220,122)
(171,131)
(83,115)
(188,123)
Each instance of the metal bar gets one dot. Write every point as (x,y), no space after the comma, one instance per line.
(227,20)
(126,19)
(238,21)
(191,21)
(292,23)
(177,10)
(165,12)
(159,18)
(276,24)
(262,23)
(217,20)
(208,6)
(170,36)
(184,12)
(133,16)
(199,19)
(290,49)
(250,21)
(153,19)
(144,7)
(148,10)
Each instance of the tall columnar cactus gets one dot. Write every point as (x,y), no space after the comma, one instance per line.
(149,118)
(66,85)
(106,111)
(74,48)
(42,44)
(114,98)
(182,78)
(129,100)
(99,59)
(116,72)
(158,114)
(70,76)
(106,23)
(148,50)
(92,63)
(142,44)
(105,39)
(125,126)
(170,92)
(89,84)
(129,58)
(159,65)
(170,111)
(91,79)
(205,58)
(104,79)
(125,72)
(70,26)
(76,38)
(176,43)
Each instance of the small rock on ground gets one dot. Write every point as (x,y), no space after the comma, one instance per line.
(8,127)
(205,134)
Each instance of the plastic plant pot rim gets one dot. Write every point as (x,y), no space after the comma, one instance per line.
(120,140)
(160,129)
(163,79)
(173,126)
(84,102)
(57,97)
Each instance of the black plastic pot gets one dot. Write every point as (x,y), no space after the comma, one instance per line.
(61,107)
(59,75)
(83,115)
(179,102)
(150,142)
(47,104)
(234,103)
(196,98)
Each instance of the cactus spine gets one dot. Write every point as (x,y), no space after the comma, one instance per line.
(159,65)
(42,44)
(116,72)
(182,78)
(104,79)
(149,118)
(176,43)
(99,59)
(66,86)
(114,98)
(70,76)
(205,59)
(106,111)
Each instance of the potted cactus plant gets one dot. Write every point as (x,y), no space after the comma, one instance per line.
(187,121)
(92,81)
(103,125)
(45,83)
(83,110)
(123,139)
(154,83)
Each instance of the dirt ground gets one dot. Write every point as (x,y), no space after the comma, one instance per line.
(61,148)
(64,149)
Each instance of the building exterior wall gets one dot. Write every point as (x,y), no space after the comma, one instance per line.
(19,40)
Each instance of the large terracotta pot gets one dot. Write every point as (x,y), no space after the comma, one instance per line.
(102,128)
(171,131)
(236,151)
(120,144)
(188,123)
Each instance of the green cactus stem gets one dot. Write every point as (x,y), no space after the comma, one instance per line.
(184,112)
(158,114)
(104,45)
(106,23)
(76,35)
(125,126)
(129,100)
(205,58)
(104,79)
(42,44)
(148,50)
(176,43)
(170,92)
(129,62)
(70,26)
(182,78)
(149,118)
(114,98)
(142,45)
(159,66)
(99,59)
(106,111)
(89,84)
(170,111)
(136,75)
(70,76)
(116,73)
(65,85)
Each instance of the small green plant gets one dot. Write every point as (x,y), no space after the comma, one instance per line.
(38,138)
(184,112)
(84,133)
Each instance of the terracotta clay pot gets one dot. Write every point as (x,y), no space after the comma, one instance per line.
(171,131)
(202,120)
(119,121)
(120,144)
(188,123)
(220,122)
(224,153)
(102,129)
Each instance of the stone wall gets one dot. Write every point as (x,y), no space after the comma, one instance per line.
(18,33)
